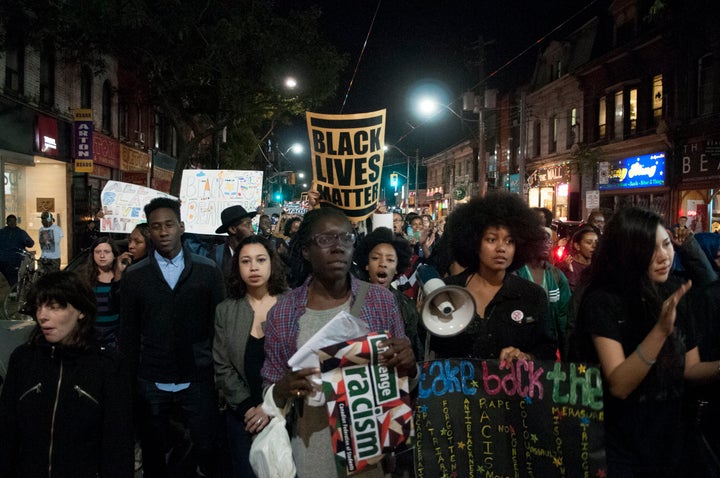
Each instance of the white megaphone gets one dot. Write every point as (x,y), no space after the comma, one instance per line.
(447,309)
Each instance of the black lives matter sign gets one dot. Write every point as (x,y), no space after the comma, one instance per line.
(347,159)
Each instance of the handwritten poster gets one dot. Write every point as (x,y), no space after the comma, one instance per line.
(122,205)
(528,419)
(347,159)
(368,404)
(206,192)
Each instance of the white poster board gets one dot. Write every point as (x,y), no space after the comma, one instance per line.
(122,206)
(204,194)
(592,199)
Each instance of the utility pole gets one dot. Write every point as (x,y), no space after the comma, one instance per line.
(521,157)
(417,160)
(482,169)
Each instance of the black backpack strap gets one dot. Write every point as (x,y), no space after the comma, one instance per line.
(360,299)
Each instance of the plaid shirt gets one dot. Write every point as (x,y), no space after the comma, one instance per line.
(380,311)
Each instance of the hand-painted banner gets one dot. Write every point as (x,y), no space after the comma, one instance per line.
(122,206)
(347,159)
(368,404)
(526,419)
(206,192)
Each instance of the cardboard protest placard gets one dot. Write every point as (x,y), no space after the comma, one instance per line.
(347,159)
(368,404)
(122,205)
(528,419)
(206,192)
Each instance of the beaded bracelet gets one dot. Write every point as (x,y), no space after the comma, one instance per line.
(649,363)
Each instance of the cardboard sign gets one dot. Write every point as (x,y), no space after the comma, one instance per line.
(527,419)
(123,206)
(204,194)
(347,159)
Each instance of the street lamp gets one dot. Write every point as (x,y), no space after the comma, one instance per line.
(429,107)
(290,82)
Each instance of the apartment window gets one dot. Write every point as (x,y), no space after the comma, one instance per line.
(536,138)
(602,119)
(86,80)
(657,98)
(124,119)
(571,126)
(552,134)
(633,112)
(107,107)
(158,131)
(705,85)
(47,74)
(15,68)
(619,116)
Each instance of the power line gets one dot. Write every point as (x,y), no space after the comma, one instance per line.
(362,52)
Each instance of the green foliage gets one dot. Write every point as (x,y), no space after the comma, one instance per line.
(207,64)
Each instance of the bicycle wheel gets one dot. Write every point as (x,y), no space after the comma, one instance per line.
(10,304)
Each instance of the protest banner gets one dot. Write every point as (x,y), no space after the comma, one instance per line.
(122,206)
(204,194)
(297,208)
(527,419)
(368,404)
(347,159)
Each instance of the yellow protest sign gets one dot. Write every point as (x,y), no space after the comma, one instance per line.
(347,159)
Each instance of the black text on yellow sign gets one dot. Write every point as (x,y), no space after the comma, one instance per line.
(83,165)
(347,152)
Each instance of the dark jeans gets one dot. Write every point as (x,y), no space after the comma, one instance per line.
(164,418)
(10,271)
(239,441)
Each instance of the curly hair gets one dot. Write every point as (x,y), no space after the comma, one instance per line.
(467,224)
(287,228)
(237,289)
(65,288)
(91,269)
(383,235)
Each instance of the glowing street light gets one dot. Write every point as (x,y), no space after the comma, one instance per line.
(290,82)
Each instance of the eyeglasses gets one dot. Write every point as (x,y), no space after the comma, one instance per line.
(330,239)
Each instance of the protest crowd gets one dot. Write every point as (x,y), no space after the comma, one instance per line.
(171,357)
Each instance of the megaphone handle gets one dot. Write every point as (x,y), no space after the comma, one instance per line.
(427,356)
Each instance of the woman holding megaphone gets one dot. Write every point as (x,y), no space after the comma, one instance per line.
(492,236)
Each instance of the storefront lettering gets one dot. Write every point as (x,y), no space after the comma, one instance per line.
(701,159)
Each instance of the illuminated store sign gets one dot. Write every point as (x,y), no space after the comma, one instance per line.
(644,171)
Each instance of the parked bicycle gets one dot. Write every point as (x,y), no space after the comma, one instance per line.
(14,305)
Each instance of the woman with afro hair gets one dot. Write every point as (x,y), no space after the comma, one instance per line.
(492,236)
(380,257)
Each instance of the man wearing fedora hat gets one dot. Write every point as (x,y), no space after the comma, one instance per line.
(237,223)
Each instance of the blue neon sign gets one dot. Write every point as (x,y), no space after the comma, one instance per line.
(644,171)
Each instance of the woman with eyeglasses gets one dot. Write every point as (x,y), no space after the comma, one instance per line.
(327,244)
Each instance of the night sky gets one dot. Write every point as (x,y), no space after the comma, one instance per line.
(420,44)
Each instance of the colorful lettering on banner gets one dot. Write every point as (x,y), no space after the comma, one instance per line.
(82,136)
(122,205)
(474,418)
(347,159)
(204,194)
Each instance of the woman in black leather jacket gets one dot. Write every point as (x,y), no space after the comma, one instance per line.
(65,407)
